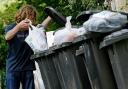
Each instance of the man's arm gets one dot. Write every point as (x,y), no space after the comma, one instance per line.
(46,22)
(10,34)
(23,25)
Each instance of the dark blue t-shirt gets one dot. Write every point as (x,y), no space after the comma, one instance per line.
(18,58)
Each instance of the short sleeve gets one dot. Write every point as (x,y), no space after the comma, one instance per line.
(9,27)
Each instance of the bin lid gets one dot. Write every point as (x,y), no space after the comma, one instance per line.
(114,37)
(79,39)
(63,45)
(41,54)
(85,15)
(56,16)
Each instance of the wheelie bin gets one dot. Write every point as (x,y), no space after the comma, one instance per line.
(116,45)
(97,62)
(61,68)
(70,68)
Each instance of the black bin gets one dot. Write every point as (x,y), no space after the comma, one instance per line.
(117,46)
(47,69)
(70,68)
(97,63)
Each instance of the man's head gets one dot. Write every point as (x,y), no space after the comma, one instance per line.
(26,11)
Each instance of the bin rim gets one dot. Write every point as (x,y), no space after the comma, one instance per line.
(59,46)
(113,38)
(41,54)
(79,39)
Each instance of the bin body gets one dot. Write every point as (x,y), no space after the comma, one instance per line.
(119,57)
(47,69)
(83,71)
(98,65)
(117,47)
(70,68)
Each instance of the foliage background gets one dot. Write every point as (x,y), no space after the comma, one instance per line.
(66,7)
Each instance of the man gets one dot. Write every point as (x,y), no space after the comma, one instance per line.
(19,67)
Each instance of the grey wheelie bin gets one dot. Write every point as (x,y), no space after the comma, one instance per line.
(117,46)
(61,68)
(97,63)
(70,68)
(47,69)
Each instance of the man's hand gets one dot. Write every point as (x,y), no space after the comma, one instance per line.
(23,25)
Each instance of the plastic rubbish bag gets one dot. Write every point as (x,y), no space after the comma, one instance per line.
(39,84)
(79,31)
(36,39)
(105,21)
(50,38)
(65,34)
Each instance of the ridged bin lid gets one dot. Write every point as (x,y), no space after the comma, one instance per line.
(114,37)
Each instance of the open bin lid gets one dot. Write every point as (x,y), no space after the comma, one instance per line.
(42,54)
(85,15)
(114,37)
(56,16)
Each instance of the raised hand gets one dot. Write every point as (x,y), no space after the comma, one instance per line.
(23,25)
